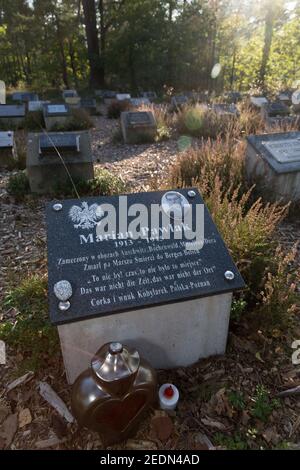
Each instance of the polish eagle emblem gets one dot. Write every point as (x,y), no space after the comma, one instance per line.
(85,216)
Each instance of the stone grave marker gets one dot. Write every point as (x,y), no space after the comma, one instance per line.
(277,113)
(45,167)
(12,114)
(89,105)
(69,94)
(7,149)
(273,163)
(25,96)
(137,102)
(56,114)
(109,96)
(35,106)
(151,293)
(226,109)
(179,101)
(138,126)
(150,95)
(285,97)
(258,101)
(234,96)
(2,92)
(296,101)
(123,96)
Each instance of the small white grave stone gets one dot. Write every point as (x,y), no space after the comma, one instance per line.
(2,92)
(258,101)
(123,96)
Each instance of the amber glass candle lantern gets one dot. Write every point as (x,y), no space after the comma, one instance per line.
(113,394)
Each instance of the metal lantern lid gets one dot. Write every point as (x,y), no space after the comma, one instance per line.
(113,361)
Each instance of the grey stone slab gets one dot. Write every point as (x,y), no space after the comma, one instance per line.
(45,167)
(138,126)
(279,150)
(7,149)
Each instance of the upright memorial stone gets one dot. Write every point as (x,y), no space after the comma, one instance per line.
(108,97)
(12,114)
(226,109)
(7,149)
(2,92)
(48,153)
(138,102)
(234,96)
(56,115)
(273,163)
(138,126)
(89,105)
(296,101)
(285,97)
(158,293)
(69,94)
(258,101)
(150,95)
(25,96)
(277,113)
(178,101)
(35,106)
(123,97)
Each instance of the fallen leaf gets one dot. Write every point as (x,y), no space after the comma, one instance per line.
(271,436)
(213,424)
(54,400)
(258,357)
(53,441)
(24,417)
(140,445)
(4,412)
(21,380)
(9,428)
(163,427)
(203,443)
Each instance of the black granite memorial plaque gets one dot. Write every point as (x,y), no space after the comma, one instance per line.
(277,108)
(58,109)
(111,273)
(12,110)
(63,142)
(139,118)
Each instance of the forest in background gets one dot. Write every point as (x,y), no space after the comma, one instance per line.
(150,44)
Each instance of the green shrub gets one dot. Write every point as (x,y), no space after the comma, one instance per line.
(200,121)
(104,183)
(30,332)
(263,405)
(34,121)
(18,185)
(116,108)
(117,136)
(79,121)
(220,158)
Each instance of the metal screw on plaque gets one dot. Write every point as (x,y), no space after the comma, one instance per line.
(64,306)
(229,275)
(115,348)
(191,193)
(57,207)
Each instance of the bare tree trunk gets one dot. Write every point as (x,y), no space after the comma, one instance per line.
(62,52)
(72,60)
(269,25)
(96,68)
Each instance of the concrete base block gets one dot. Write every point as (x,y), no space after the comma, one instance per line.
(47,173)
(140,131)
(274,186)
(52,122)
(12,122)
(171,335)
